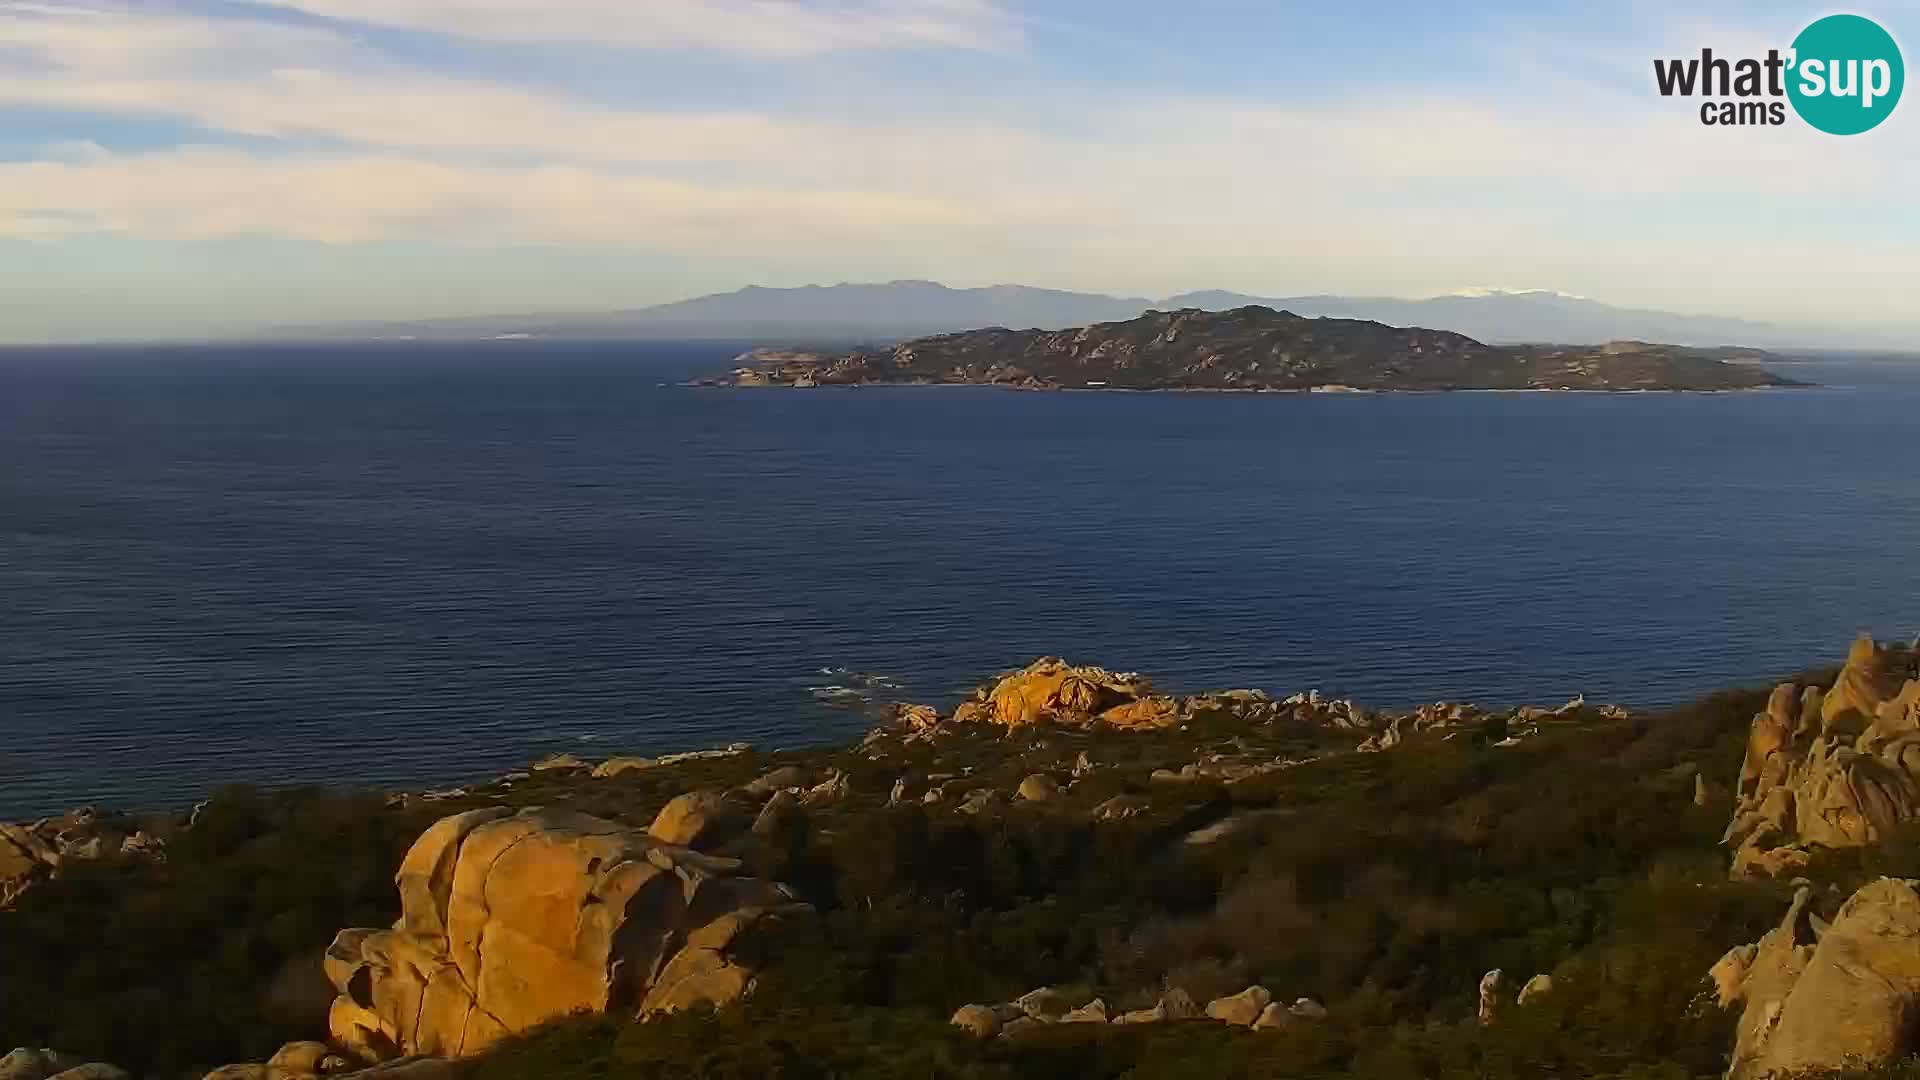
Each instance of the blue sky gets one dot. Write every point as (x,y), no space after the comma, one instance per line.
(203,167)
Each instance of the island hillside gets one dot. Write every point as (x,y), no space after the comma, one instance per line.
(1255,348)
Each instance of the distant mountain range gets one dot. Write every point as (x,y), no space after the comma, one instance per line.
(1500,317)
(896,310)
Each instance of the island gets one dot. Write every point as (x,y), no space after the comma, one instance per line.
(1255,349)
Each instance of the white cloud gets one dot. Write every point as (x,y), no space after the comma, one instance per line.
(272,80)
(1378,194)
(213,192)
(84,37)
(1148,160)
(775,28)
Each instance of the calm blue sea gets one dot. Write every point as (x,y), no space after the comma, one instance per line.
(417,564)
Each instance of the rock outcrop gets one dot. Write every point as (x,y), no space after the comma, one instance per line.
(1038,788)
(22,866)
(1729,973)
(30,854)
(688,819)
(1242,1009)
(1837,768)
(1173,1006)
(774,817)
(297,1061)
(917,718)
(616,766)
(1818,998)
(30,1064)
(1252,1008)
(1491,986)
(1052,691)
(294,1061)
(1045,1003)
(1274,1017)
(785,778)
(979,1021)
(1537,987)
(511,920)
(834,789)
(310,1058)
(26,1063)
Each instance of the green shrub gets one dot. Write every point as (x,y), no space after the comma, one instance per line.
(213,957)
(1382,885)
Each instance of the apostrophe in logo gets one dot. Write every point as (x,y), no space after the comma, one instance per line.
(1846,75)
(1843,75)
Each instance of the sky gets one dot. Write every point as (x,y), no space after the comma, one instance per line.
(205,168)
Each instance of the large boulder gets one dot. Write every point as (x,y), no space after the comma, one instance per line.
(20,868)
(1242,1009)
(294,1061)
(780,779)
(1491,986)
(1537,987)
(1052,691)
(688,819)
(917,719)
(1836,768)
(27,1063)
(1039,788)
(834,789)
(1274,1017)
(512,920)
(619,765)
(1865,683)
(301,1057)
(1141,714)
(775,817)
(1045,1004)
(1179,1005)
(979,1021)
(1729,973)
(1843,996)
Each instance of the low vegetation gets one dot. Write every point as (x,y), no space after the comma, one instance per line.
(1382,885)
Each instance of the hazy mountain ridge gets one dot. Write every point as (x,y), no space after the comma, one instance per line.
(898,310)
(1495,316)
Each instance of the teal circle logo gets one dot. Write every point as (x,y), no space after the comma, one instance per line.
(1846,75)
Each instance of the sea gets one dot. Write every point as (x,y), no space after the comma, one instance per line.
(410,565)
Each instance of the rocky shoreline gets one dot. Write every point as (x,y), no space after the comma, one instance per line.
(646,889)
(1047,693)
